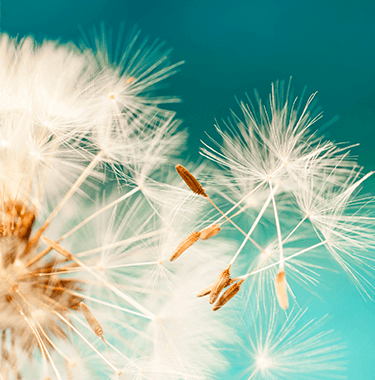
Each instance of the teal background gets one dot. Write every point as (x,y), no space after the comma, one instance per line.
(232,47)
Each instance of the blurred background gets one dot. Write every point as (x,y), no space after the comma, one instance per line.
(232,47)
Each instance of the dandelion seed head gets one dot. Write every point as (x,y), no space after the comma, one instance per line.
(64,119)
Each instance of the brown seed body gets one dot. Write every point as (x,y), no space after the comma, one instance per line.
(91,320)
(228,295)
(281,291)
(57,247)
(207,290)
(185,244)
(191,181)
(129,80)
(209,232)
(220,283)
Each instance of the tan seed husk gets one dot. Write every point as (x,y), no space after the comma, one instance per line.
(207,290)
(220,283)
(129,80)
(281,291)
(210,231)
(185,244)
(91,320)
(191,181)
(228,295)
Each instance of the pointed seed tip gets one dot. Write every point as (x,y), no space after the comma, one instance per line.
(191,181)
(205,292)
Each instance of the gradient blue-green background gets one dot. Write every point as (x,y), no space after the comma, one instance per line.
(230,47)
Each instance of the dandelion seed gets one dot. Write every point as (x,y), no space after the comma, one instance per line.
(130,80)
(198,189)
(209,232)
(91,320)
(343,219)
(207,290)
(220,283)
(228,295)
(281,290)
(94,324)
(291,348)
(191,181)
(132,71)
(185,244)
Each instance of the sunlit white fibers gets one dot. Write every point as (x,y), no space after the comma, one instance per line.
(263,361)
(292,346)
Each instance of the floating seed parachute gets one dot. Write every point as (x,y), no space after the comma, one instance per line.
(285,163)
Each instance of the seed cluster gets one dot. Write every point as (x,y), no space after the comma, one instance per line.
(30,294)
